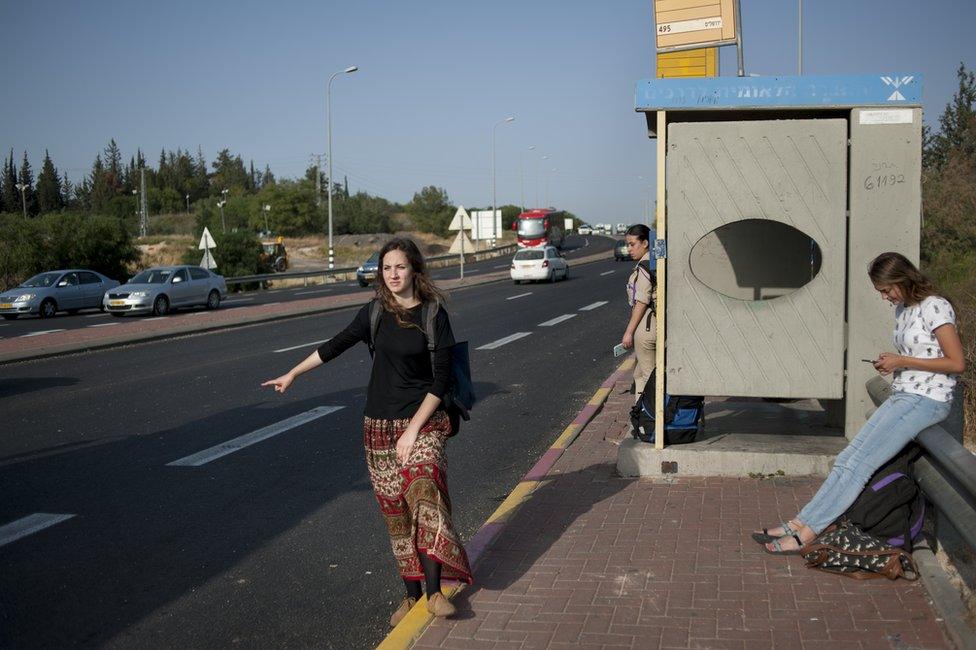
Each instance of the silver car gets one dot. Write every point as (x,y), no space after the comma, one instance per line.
(162,288)
(47,293)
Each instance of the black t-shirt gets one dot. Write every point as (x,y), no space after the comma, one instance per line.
(402,374)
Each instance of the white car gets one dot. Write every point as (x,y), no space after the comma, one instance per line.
(539,264)
(585,229)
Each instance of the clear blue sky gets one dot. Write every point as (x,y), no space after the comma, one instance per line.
(434,76)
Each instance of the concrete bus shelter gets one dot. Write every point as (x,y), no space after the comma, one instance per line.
(774,194)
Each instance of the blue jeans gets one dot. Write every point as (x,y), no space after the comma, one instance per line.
(892,426)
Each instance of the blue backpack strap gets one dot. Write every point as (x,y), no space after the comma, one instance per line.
(375,311)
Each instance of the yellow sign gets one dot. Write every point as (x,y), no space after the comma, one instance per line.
(702,62)
(680,23)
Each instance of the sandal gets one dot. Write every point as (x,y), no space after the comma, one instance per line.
(765,538)
(778,545)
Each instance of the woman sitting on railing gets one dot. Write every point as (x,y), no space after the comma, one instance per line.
(930,355)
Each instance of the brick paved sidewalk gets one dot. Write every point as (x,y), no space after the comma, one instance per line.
(593,560)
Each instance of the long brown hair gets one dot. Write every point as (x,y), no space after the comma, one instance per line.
(423,286)
(896,269)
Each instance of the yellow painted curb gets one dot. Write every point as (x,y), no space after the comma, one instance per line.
(415,622)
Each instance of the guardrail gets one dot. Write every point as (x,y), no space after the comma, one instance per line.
(946,473)
(439,261)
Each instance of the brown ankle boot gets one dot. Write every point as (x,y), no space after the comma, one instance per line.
(440,606)
(402,611)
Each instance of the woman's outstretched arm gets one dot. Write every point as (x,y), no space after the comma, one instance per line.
(282,383)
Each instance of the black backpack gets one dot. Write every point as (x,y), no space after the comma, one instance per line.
(683,416)
(459,398)
(891,507)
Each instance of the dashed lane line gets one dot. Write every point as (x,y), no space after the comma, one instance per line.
(521,295)
(501,266)
(29,525)
(305,293)
(248,439)
(303,345)
(607,272)
(500,342)
(594,305)
(97,315)
(557,320)
(236,300)
(24,336)
(104,324)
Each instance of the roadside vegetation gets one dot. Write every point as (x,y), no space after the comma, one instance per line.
(949,222)
(52,222)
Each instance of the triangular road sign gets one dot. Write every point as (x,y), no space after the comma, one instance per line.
(456,246)
(207,240)
(461,220)
(208,262)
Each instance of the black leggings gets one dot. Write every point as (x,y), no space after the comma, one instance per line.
(432,576)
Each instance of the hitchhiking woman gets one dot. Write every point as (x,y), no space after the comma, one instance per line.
(641,332)
(929,357)
(405,430)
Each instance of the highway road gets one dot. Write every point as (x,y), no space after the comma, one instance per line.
(126,521)
(576,247)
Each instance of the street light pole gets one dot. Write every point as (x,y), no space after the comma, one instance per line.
(494,203)
(221,204)
(328,101)
(267,209)
(188,204)
(522,179)
(23,197)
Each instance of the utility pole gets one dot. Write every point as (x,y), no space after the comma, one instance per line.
(144,220)
(23,196)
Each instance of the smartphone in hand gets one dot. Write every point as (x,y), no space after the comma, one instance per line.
(619,350)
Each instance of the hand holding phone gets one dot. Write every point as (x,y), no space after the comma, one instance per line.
(619,350)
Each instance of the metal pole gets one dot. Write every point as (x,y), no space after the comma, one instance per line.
(23,198)
(144,223)
(738,40)
(328,100)
(521,185)
(799,53)
(493,198)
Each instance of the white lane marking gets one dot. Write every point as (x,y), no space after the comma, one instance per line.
(521,295)
(231,302)
(303,293)
(146,320)
(607,272)
(594,305)
(4,324)
(248,439)
(270,303)
(557,320)
(24,336)
(29,525)
(104,324)
(501,266)
(96,315)
(303,345)
(500,342)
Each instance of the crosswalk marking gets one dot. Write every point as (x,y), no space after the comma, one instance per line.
(500,342)
(29,525)
(248,439)
(557,320)
(593,306)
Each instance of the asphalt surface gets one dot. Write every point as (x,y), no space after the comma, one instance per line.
(576,246)
(279,543)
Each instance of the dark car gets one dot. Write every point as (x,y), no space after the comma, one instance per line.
(620,251)
(367,272)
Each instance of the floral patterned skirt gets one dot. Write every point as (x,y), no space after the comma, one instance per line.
(413,498)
